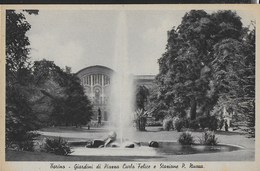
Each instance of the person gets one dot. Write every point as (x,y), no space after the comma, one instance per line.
(99,116)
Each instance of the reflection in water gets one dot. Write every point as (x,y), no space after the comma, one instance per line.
(169,148)
(165,148)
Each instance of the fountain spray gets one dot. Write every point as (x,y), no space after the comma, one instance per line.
(122,84)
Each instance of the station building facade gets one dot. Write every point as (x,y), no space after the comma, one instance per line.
(96,81)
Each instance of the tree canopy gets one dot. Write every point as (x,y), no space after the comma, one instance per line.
(20,118)
(208,57)
(36,93)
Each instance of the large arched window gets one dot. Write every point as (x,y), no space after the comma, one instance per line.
(97,93)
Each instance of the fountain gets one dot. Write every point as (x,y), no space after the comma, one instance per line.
(122,116)
(122,85)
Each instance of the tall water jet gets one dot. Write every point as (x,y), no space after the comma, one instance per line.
(122,85)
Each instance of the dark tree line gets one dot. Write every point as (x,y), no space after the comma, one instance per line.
(209,60)
(37,94)
(69,105)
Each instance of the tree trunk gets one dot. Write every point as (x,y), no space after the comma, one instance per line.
(193,109)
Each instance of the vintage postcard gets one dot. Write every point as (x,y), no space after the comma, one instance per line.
(129,87)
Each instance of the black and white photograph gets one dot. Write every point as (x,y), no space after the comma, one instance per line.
(130,85)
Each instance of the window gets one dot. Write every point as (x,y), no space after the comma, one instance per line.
(106,80)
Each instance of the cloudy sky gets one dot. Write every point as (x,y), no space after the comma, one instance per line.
(80,38)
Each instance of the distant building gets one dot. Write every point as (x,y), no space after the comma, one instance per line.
(147,80)
(96,81)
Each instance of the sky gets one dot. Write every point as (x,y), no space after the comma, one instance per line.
(82,38)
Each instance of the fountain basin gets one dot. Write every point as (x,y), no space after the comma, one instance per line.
(165,148)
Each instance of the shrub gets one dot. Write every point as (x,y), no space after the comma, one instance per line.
(27,145)
(25,142)
(57,146)
(167,124)
(186,138)
(180,123)
(209,138)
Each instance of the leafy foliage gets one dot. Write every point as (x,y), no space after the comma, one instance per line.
(77,104)
(32,90)
(210,122)
(184,79)
(235,77)
(186,138)
(140,119)
(68,102)
(57,146)
(181,123)
(16,47)
(20,118)
(142,94)
(209,138)
(209,59)
(167,124)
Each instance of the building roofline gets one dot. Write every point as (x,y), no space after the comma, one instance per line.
(93,66)
(149,75)
(144,76)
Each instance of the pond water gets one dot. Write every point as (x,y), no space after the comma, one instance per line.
(165,148)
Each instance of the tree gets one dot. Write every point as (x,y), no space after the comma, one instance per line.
(235,77)
(186,80)
(20,119)
(141,97)
(208,58)
(35,92)
(16,46)
(69,105)
(249,104)
(48,81)
(78,107)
